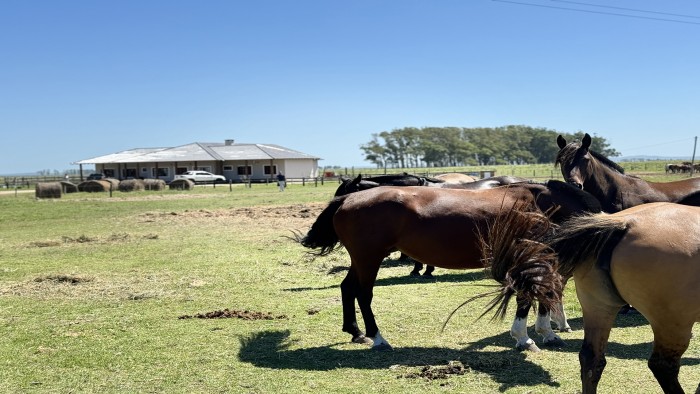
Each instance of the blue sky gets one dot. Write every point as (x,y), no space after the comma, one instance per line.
(80,79)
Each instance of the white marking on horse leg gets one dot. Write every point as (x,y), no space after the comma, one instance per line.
(543,326)
(559,317)
(380,343)
(519,332)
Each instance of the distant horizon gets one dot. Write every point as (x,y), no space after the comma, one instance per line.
(616,159)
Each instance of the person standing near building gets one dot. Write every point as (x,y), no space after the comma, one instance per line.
(281,181)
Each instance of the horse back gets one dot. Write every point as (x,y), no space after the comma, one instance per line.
(685,191)
(435,226)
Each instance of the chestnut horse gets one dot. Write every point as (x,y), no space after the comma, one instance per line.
(437,226)
(607,181)
(647,256)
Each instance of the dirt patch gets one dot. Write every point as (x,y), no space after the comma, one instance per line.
(430,372)
(70,279)
(84,239)
(287,216)
(238,314)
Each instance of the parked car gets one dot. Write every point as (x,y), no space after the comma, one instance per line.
(201,177)
(96,177)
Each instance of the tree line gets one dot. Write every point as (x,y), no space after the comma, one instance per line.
(458,146)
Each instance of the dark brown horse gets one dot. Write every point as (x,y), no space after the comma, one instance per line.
(450,181)
(607,181)
(437,226)
(647,256)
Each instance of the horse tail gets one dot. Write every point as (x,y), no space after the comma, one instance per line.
(591,236)
(322,234)
(519,260)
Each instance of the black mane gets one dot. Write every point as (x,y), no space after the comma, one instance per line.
(568,154)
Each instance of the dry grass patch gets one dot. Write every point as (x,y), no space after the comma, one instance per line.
(129,287)
(84,239)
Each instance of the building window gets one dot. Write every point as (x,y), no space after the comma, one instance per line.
(207,168)
(160,172)
(228,168)
(130,173)
(270,170)
(244,170)
(109,172)
(180,170)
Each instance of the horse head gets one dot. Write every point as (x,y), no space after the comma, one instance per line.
(583,167)
(357,184)
(574,159)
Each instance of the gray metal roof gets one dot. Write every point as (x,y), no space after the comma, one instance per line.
(201,151)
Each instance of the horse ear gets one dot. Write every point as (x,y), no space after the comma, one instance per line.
(561,142)
(586,141)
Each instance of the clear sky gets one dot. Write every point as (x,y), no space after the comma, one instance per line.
(80,79)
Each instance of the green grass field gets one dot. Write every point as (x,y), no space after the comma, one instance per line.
(95,291)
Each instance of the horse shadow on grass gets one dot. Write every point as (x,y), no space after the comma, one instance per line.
(270,349)
(454,276)
(637,351)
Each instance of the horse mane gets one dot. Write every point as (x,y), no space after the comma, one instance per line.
(567,154)
(584,237)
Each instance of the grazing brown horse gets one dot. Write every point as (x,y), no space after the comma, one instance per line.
(437,226)
(647,256)
(607,181)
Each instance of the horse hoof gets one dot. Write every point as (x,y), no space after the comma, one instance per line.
(415,273)
(528,348)
(557,342)
(363,340)
(567,329)
(382,347)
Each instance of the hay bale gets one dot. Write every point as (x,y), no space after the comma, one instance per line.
(114,181)
(181,184)
(131,185)
(48,190)
(94,186)
(69,187)
(154,184)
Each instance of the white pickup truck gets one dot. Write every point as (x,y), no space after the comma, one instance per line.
(201,177)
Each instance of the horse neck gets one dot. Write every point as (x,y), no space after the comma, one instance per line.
(614,190)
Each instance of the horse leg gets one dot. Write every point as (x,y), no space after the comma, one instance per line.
(428,271)
(348,290)
(417,267)
(519,328)
(364,299)
(598,319)
(670,342)
(543,326)
(559,315)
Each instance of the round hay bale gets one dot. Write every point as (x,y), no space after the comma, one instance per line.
(94,186)
(131,185)
(114,181)
(154,184)
(48,190)
(181,184)
(69,187)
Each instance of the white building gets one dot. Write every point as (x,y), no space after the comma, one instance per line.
(236,162)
